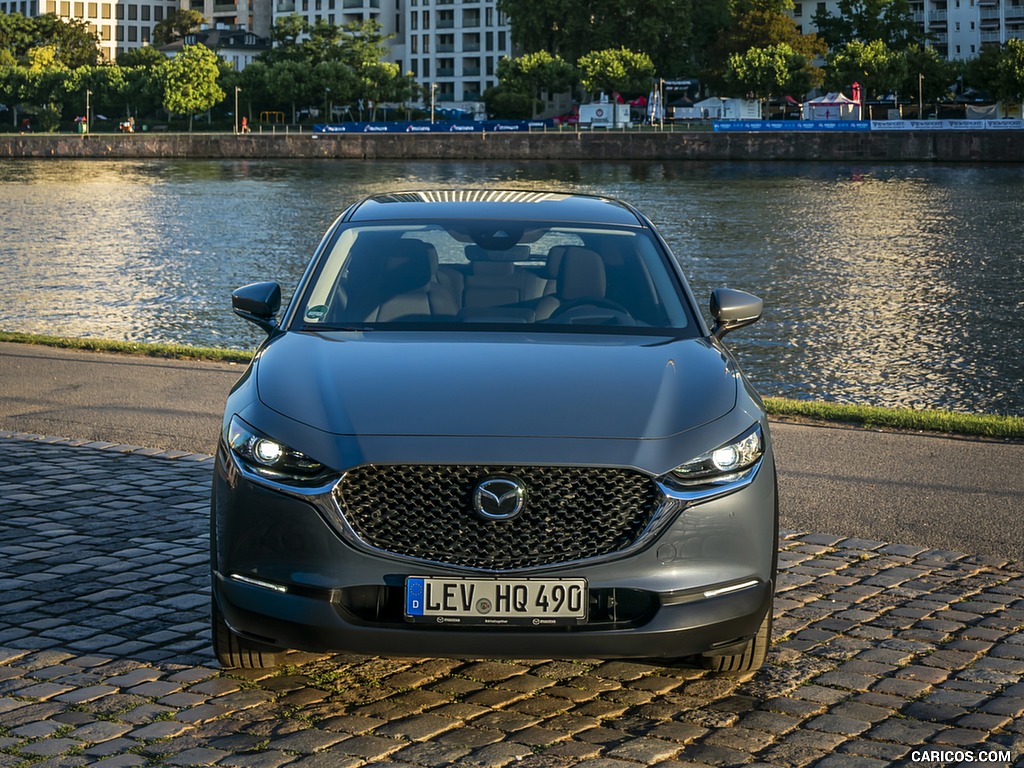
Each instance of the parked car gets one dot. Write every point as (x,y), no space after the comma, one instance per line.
(494,424)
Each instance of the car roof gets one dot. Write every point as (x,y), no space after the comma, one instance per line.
(502,204)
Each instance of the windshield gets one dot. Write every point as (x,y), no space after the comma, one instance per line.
(493,272)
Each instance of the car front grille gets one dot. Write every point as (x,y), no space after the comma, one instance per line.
(426,512)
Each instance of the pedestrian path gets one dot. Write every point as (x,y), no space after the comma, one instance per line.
(883,654)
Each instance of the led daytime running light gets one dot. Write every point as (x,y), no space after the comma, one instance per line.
(266,456)
(725,463)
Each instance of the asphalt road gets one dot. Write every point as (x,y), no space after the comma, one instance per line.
(948,494)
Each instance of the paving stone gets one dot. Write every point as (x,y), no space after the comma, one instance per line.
(49,747)
(268,759)
(197,757)
(876,641)
(308,741)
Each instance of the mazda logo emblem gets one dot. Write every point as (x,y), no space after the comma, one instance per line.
(499,497)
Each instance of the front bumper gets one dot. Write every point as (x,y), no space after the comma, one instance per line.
(284,574)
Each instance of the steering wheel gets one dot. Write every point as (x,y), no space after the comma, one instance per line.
(577,308)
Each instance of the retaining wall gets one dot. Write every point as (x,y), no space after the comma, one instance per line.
(909,146)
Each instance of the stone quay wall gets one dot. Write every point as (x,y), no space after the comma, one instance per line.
(885,146)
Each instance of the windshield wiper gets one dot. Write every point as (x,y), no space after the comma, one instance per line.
(315,327)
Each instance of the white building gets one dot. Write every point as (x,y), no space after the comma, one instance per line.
(452,48)
(455,47)
(238,47)
(958,27)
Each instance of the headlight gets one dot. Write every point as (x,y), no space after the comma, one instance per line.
(724,464)
(269,458)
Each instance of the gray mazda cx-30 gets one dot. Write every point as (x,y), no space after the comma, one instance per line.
(494,424)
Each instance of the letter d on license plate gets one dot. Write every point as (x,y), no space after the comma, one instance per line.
(497,602)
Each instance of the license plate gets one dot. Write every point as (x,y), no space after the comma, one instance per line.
(497,602)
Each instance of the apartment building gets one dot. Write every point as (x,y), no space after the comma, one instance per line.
(255,16)
(452,47)
(958,28)
(119,25)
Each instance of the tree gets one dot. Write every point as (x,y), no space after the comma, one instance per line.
(533,72)
(1010,82)
(146,56)
(521,80)
(926,74)
(660,28)
(774,69)
(17,35)
(143,91)
(190,85)
(13,87)
(322,43)
(616,70)
(503,104)
(760,24)
(175,26)
(383,81)
(363,43)
(890,21)
(285,36)
(72,43)
(878,69)
(288,83)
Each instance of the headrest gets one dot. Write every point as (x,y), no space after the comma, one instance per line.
(387,266)
(581,275)
(554,261)
(409,266)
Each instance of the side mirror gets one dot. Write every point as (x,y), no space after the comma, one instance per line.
(733,309)
(258,303)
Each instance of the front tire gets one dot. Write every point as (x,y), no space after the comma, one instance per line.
(236,652)
(747,660)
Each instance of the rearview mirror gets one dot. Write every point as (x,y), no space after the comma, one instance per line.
(258,303)
(733,309)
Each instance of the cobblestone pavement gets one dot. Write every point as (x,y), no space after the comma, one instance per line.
(881,652)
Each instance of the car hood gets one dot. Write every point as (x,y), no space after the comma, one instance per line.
(490,384)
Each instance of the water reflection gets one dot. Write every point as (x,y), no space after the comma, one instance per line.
(889,285)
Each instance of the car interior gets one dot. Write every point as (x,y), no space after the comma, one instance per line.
(563,278)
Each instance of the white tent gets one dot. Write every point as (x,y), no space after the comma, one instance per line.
(718,108)
(832,106)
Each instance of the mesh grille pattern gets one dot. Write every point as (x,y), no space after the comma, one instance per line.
(427,512)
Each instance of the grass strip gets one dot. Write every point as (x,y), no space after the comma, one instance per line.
(146,349)
(901,419)
(872,417)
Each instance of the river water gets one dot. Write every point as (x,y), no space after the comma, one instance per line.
(883,284)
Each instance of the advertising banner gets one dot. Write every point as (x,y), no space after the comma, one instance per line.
(441,126)
(791,125)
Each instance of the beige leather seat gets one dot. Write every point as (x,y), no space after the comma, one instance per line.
(393,279)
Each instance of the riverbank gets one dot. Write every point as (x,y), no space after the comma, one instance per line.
(890,146)
(947,423)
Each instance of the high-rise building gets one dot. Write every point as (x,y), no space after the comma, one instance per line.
(957,28)
(452,47)
(253,15)
(455,48)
